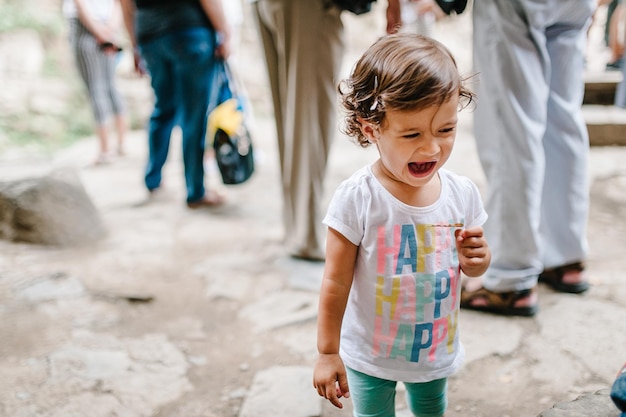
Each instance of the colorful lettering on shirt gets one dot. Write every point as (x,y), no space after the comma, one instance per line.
(396,333)
(453,324)
(427,245)
(416,311)
(385,252)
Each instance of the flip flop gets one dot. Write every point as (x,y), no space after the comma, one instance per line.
(502,303)
(554,278)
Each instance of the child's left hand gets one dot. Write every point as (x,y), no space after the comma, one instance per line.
(474,254)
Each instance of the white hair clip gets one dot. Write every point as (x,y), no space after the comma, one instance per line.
(375,103)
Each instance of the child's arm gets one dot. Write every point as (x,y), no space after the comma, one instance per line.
(329,377)
(474,254)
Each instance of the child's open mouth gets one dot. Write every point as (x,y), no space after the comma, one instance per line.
(421,169)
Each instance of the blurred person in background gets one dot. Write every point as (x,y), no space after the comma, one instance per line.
(180,43)
(94,37)
(304,45)
(533,144)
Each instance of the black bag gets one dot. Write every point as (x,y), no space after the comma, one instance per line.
(448,6)
(354,6)
(234,155)
(227,130)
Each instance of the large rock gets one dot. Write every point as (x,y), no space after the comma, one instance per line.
(596,404)
(52,210)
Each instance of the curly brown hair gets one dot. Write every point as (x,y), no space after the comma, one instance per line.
(402,71)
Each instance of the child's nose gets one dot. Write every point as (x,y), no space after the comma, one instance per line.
(429,146)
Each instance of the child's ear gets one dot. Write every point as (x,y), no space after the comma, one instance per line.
(369,130)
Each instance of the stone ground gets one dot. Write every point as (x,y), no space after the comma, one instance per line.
(180,313)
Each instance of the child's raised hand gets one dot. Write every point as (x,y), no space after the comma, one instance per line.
(474,254)
(329,378)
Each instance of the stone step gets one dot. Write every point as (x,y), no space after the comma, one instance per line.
(600,87)
(606,124)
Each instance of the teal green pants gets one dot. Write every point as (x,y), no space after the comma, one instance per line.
(375,397)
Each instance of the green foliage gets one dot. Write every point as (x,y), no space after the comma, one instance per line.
(18,15)
(48,127)
(49,132)
(43,132)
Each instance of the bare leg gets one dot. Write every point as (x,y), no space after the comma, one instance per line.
(103,144)
(120,127)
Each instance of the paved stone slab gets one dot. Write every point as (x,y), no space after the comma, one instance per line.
(96,375)
(51,287)
(282,392)
(596,404)
(302,275)
(281,309)
(502,337)
(603,323)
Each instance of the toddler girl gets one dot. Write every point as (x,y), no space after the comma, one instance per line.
(400,232)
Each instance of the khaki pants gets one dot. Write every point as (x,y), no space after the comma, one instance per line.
(303,45)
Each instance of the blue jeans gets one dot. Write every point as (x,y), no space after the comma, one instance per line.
(181,66)
(375,397)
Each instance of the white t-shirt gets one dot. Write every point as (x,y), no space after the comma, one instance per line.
(401,320)
(102,10)
(233,10)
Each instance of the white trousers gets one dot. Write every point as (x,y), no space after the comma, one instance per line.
(531,137)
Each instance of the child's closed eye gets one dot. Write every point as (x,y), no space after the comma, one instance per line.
(412,135)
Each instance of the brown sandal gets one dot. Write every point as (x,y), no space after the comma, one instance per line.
(210,199)
(502,303)
(554,278)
